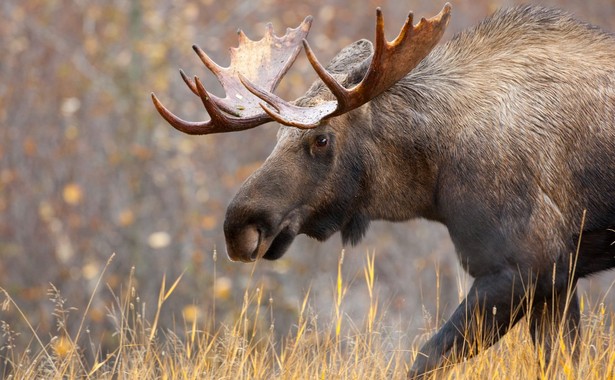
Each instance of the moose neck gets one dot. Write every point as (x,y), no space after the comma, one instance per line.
(412,124)
(405,164)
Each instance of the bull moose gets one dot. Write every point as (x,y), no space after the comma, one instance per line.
(505,134)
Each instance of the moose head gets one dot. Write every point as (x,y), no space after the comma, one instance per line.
(317,180)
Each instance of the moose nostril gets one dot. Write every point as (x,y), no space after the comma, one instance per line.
(246,243)
(252,236)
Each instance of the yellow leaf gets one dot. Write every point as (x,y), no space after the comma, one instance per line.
(45,211)
(62,347)
(209,222)
(126,218)
(73,195)
(90,270)
(222,288)
(190,313)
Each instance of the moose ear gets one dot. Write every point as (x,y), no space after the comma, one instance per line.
(350,57)
(348,67)
(352,62)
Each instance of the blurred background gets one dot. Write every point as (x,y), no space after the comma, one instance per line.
(88,168)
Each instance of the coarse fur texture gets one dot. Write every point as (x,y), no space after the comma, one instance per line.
(505,134)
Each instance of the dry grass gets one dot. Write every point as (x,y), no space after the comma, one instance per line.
(317,348)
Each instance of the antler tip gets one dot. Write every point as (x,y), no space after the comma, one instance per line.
(445,13)
(269,33)
(305,25)
(188,82)
(157,103)
(200,88)
(168,116)
(409,19)
(199,52)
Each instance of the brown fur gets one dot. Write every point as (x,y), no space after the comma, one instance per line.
(505,134)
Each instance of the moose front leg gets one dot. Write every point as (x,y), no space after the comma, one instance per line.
(489,310)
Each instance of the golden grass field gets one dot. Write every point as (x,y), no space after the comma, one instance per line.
(317,347)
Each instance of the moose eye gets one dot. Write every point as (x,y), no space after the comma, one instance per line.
(321,141)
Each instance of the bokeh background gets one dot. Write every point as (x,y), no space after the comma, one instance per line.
(88,168)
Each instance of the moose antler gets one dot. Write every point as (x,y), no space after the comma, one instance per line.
(262,62)
(390,62)
(257,67)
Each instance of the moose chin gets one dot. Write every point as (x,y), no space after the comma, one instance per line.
(505,134)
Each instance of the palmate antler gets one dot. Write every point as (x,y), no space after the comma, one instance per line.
(257,67)
(262,62)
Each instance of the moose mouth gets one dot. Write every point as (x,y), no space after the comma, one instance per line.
(280,244)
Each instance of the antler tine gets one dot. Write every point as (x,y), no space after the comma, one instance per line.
(189,82)
(211,65)
(189,127)
(403,34)
(340,93)
(381,40)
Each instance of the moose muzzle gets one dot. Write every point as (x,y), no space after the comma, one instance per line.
(252,234)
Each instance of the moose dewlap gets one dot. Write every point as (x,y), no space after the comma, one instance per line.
(505,134)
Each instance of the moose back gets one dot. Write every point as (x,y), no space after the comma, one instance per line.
(505,134)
